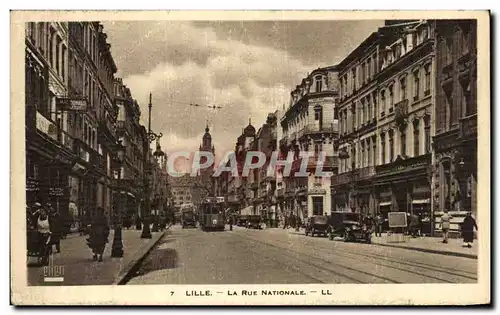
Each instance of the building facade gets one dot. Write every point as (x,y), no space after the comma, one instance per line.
(386,109)
(310,123)
(455,140)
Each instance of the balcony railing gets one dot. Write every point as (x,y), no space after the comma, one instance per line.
(317,129)
(468,126)
(366,172)
(328,162)
(47,127)
(401,110)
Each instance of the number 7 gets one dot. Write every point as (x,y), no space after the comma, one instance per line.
(171,293)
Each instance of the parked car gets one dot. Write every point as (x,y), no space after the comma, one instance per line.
(348,226)
(316,224)
(254,222)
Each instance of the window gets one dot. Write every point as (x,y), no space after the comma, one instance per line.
(391,145)
(317,180)
(403,142)
(317,205)
(63,66)
(353,157)
(319,83)
(416,137)
(318,147)
(416,84)
(427,134)
(391,98)
(369,109)
(353,76)
(362,157)
(368,68)
(382,148)
(449,53)
(374,149)
(368,153)
(362,75)
(318,113)
(466,98)
(402,83)
(58,43)
(382,100)
(427,80)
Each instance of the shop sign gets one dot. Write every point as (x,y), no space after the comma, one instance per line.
(56,191)
(397,219)
(72,104)
(32,184)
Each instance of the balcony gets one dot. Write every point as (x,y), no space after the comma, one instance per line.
(47,127)
(366,173)
(284,141)
(343,178)
(468,127)
(312,129)
(329,163)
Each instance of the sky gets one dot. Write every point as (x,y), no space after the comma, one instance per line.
(248,68)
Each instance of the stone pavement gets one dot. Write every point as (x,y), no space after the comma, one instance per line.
(424,244)
(80,269)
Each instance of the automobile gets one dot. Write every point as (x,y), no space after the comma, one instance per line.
(316,224)
(348,226)
(254,222)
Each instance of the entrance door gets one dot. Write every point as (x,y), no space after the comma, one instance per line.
(317,205)
(401,198)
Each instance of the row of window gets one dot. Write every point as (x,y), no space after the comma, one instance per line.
(350,82)
(403,45)
(51,45)
(368,147)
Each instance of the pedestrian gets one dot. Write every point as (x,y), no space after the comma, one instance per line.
(445,225)
(99,233)
(368,221)
(43,229)
(230,222)
(414,224)
(468,229)
(55,224)
(379,220)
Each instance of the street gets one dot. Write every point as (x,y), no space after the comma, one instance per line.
(271,256)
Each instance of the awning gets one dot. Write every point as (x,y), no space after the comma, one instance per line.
(385,203)
(421,201)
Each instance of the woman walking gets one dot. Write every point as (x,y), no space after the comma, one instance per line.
(468,230)
(99,232)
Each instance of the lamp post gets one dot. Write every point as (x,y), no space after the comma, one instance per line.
(151,136)
(117,247)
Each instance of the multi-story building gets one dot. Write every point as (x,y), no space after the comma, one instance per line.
(455,140)
(358,114)
(50,151)
(385,111)
(239,191)
(183,191)
(310,123)
(406,97)
(133,137)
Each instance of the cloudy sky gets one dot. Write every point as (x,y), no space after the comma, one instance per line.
(248,68)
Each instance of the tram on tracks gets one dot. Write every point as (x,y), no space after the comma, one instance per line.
(211,215)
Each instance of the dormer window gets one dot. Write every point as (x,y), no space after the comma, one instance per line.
(319,83)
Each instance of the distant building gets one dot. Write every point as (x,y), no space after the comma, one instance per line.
(310,123)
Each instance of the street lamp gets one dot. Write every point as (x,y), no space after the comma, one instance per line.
(117,247)
(151,136)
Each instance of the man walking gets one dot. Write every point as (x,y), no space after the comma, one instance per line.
(55,224)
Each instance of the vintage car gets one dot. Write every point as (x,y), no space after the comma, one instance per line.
(348,226)
(254,222)
(316,224)
(242,220)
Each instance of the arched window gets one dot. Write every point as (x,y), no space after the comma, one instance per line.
(319,83)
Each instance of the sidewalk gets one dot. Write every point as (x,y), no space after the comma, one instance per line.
(423,244)
(80,269)
(430,245)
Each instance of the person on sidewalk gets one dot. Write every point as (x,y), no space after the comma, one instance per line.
(414,225)
(99,233)
(445,225)
(468,229)
(379,220)
(55,224)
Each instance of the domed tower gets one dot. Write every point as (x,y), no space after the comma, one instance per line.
(249,133)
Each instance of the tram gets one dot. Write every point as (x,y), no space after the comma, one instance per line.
(188,215)
(211,215)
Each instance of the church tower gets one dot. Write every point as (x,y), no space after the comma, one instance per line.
(207,146)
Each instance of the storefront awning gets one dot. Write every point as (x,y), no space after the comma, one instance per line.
(421,201)
(385,203)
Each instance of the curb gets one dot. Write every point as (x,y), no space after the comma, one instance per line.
(433,251)
(126,272)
